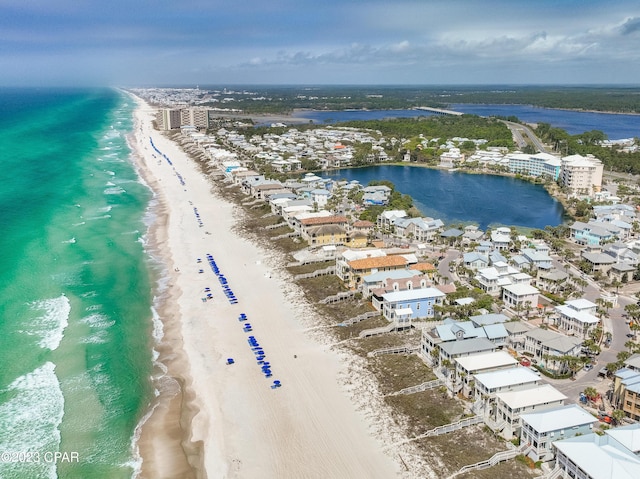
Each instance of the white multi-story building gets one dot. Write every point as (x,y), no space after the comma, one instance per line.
(540,164)
(582,175)
(510,405)
(540,429)
(577,317)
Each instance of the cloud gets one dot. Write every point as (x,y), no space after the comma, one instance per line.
(630,26)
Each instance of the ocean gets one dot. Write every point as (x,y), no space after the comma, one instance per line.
(75,286)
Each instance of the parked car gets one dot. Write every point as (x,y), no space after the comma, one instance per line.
(588,367)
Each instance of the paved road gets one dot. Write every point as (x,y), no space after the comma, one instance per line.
(443,266)
(519,129)
(614,323)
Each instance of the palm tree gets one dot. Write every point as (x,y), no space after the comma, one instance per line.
(591,393)
(618,415)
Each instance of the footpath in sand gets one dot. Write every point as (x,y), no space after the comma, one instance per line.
(217,420)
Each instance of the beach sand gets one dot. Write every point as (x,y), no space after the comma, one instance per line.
(225,421)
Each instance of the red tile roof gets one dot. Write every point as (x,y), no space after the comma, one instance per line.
(378,262)
(324,220)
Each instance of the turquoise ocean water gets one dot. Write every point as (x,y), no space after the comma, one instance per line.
(75,285)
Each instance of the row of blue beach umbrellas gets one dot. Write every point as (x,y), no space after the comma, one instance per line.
(223,280)
(265,366)
(200,223)
(180,178)
(159,152)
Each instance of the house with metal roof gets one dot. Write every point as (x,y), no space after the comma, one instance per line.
(468,366)
(577,317)
(420,301)
(544,344)
(540,429)
(626,392)
(487,319)
(511,405)
(475,260)
(447,352)
(386,279)
(614,455)
(523,297)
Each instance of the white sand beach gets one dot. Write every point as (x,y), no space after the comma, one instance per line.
(225,421)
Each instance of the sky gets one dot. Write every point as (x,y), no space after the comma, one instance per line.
(137,43)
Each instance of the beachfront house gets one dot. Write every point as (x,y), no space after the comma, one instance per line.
(540,429)
(615,455)
(389,281)
(443,343)
(353,265)
(421,303)
(488,384)
(321,230)
(510,405)
(467,367)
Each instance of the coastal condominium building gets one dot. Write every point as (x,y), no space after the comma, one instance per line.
(173,118)
(581,174)
(541,164)
(198,117)
(168,119)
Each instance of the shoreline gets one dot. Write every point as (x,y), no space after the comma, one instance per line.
(217,420)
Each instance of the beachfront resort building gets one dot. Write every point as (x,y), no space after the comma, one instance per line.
(582,175)
(168,119)
(540,164)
